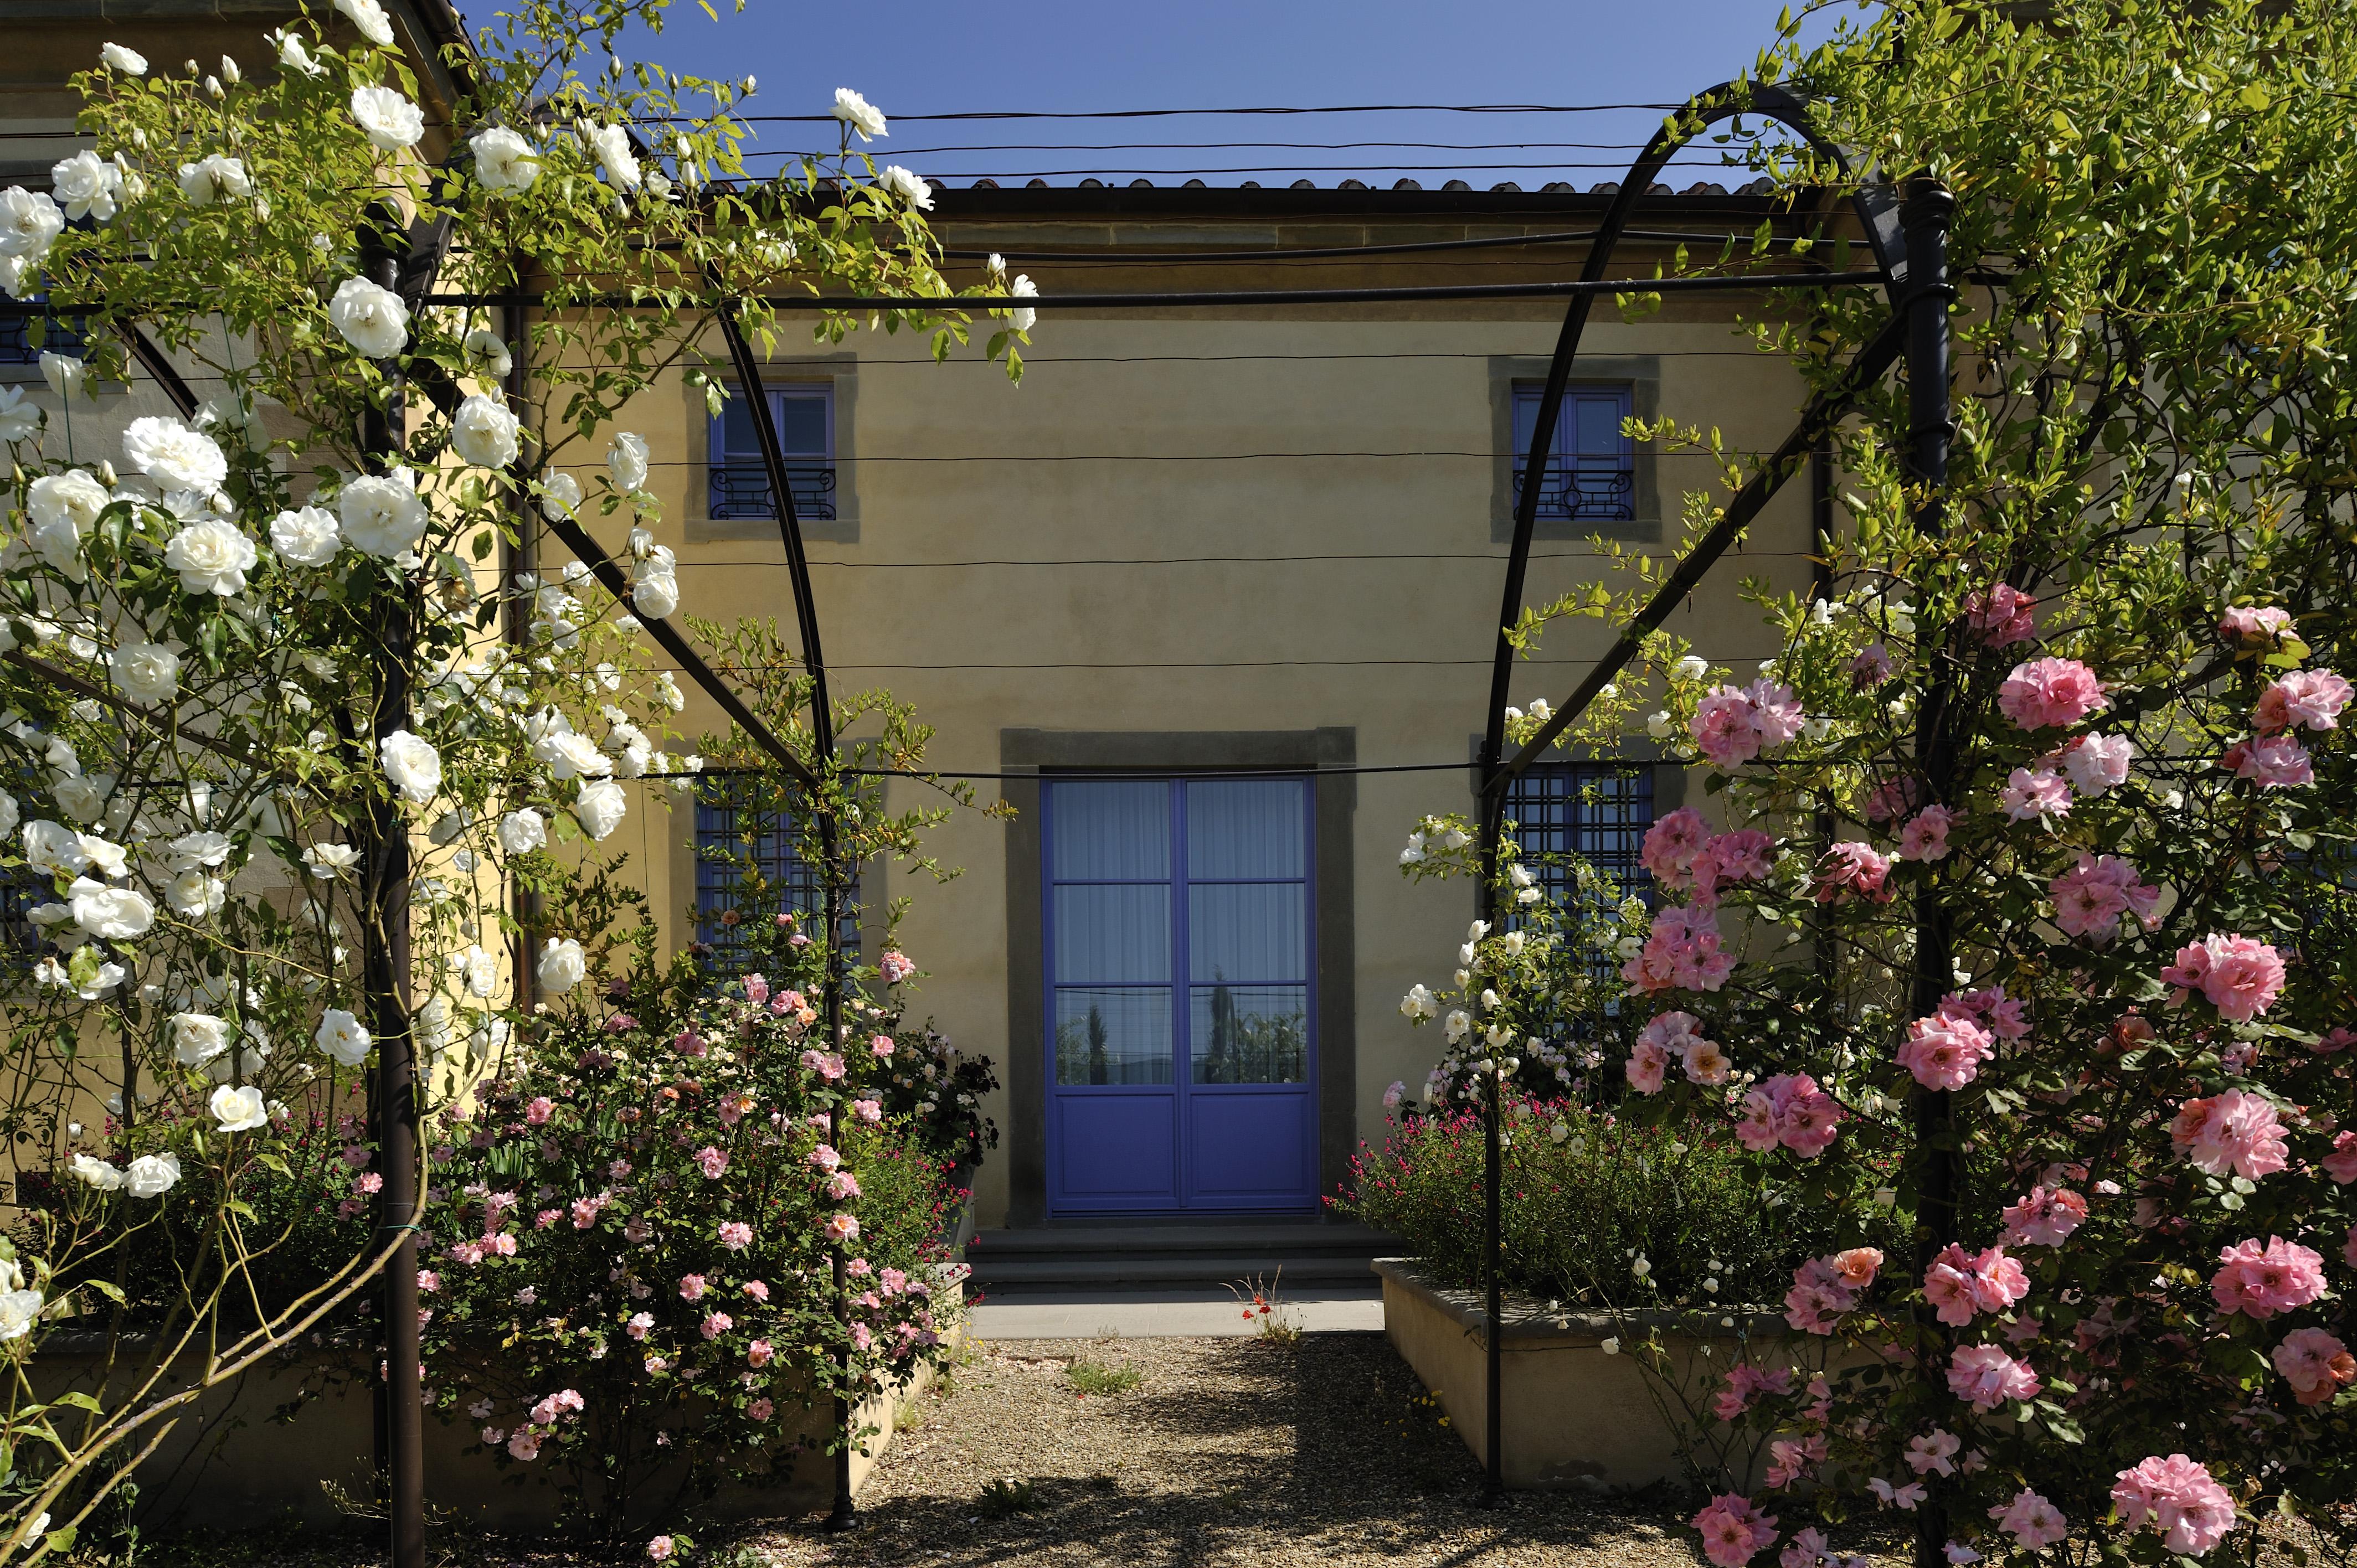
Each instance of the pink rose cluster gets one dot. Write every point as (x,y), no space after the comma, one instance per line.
(2272,762)
(1681,853)
(1945,1050)
(2317,1365)
(1791,1110)
(1791,1459)
(1683,950)
(2239,975)
(2049,693)
(2090,898)
(1733,725)
(2031,1520)
(2254,629)
(2305,699)
(1925,836)
(894,966)
(1746,1383)
(2340,1165)
(1825,1288)
(2230,1133)
(1734,1530)
(1675,1036)
(2045,1217)
(2001,616)
(1960,1284)
(2260,1282)
(1852,870)
(1985,1377)
(2177,1499)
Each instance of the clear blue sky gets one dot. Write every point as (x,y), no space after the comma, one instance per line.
(930,57)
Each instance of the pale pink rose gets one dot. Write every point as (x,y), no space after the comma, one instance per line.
(2260,1282)
(758,1353)
(2048,693)
(2305,699)
(2277,762)
(1734,1530)
(2340,1165)
(2317,1365)
(1808,1548)
(524,1444)
(2090,898)
(2239,975)
(691,1287)
(1648,1061)
(2001,616)
(1791,1459)
(1933,1453)
(880,1047)
(1945,1050)
(1907,1497)
(761,1410)
(757,989)
(1852,870)
(711,1161)
(825,1157)
(1706,1063)
(1732,726)
(539,1110)
(660,1548)
(736,1235)
(842,1227)
(2254,629)
(1892,798)
(639,1324)
(2033,794)
(2232,1132)
(1671,845)
(1683,950)
(870,1112)
(2096,763)
(1925,836)
(2031,1520)
(2177,1497)
(1871,667)
(1997,1281)
(842,1185)
(429,1281)
(2044,1218)
(894,967)
(1948,1286)
(716,1324)
(1984,1376)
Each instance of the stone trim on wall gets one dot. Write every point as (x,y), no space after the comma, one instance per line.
(1037,753)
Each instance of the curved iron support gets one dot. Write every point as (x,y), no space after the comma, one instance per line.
(1876,210)
(833,877)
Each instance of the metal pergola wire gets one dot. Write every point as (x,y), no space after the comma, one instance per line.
(1908,244)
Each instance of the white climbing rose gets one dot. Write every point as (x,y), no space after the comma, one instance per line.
(211,557)
(626,461)
(369,18)
(145,671)
(902,183)
(600,807)
(382,513)
(305,536)
(484,433)
(113,914)
(522,832)
(560,493)
(619,166)
(87,186)
(413,765)
(390,121)
(152,1176)
(130,62)
(371,319)
(63,509)
(859,114)
(1022,317)
(342,1037)
(504,161)
(562,966)
(488,353)
(239,1109)
(30,224)
(175,457)
(215,178)
(198,1038)
(98,1172)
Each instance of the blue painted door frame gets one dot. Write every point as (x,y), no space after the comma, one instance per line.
(1180,1146)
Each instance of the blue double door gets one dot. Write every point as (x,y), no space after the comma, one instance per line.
(1181,1009)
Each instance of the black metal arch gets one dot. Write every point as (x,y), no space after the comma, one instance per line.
(1878,208)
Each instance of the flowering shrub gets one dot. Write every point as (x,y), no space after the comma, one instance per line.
(630,1282)
(2056,912)
(254,644)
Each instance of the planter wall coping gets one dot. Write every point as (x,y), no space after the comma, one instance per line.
(1531,1325)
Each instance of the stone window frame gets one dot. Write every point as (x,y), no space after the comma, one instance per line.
(1641,374)
(1028,755)
(840,372)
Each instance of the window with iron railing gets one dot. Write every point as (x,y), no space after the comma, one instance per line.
(1591,468)
(60,335)
(733,837)
(1596,810)
(804,416)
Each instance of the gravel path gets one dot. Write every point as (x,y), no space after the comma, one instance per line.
(1225,1452)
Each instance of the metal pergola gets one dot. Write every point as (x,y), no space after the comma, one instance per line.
(1908,241)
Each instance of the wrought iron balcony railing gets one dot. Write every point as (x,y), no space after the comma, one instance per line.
(742,489)
(59,337)
(1584,494)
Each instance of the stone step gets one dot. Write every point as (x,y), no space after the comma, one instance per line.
(1166,1253)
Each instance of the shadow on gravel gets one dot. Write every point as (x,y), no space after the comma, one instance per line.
(1326,1450)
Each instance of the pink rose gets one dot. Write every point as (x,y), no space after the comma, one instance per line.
(1671,845)
(2241,977)
(2034,794)
(2260,1282)
(691,1287)
(894,967)
(760,1410)
(2050,693)
(2097,763)
(825,1157)
(736,1235)
(2090,898)
(524,1444)
(757,989)
(2317,1365)
(2305,699)
(870,1112)
(1984,1376)
(2177,1497)
(2340,1165)
(1648,1061)
(2232,1132)
(711,1161)
(716,1324)
(2044,1218)
(1945,1050)
(1852,870)
(539,1110)
(759,1352)
(881,1044)
(660,1548)
(2031,1520)
(1871,667)
(842,1185)
(1683,950)
(1732,726)
(2254,628)
(1925,837)
(639,1324)
(842,1227)
(2002,616)
(1734,1530)
(2279,762)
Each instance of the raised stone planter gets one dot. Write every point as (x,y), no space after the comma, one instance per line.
(230,1463)
(1574,1414)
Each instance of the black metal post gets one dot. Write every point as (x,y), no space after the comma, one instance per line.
(385,960)
(521,556)
(1927,213)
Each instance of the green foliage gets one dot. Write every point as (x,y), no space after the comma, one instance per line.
(1096,1378)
